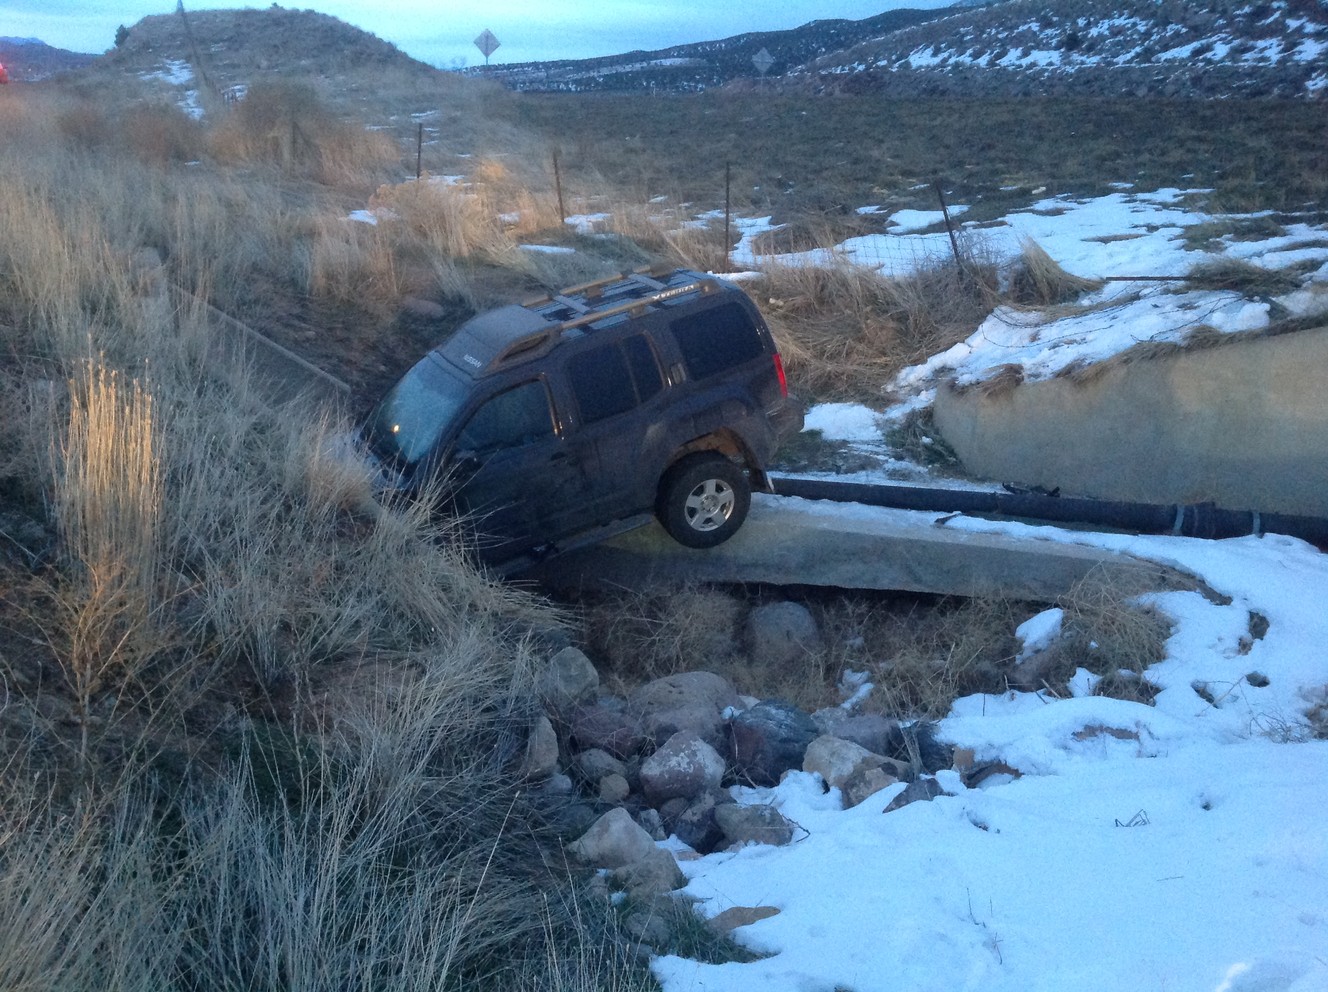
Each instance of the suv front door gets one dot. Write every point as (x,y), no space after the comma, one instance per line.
(513,473)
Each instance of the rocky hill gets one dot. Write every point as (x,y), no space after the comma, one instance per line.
(1200,48)
(28,60)
(225,48)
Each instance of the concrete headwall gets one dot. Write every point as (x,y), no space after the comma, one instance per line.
(1244,425)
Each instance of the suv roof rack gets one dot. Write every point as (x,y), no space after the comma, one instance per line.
(520,332)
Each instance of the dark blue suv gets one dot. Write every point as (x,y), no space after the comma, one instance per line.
(568,418)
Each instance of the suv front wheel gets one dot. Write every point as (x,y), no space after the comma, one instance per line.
(703,499)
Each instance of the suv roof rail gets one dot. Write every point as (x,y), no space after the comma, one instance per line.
(619,294)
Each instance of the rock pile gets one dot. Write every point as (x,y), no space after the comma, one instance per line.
(657,763)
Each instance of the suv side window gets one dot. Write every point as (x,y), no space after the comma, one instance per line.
(512,418)
(614,377)
(717,339)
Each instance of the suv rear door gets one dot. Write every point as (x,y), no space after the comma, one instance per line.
(618,388)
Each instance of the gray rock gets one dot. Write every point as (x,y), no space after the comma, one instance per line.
(652,823)
(613,789)
(769,739)
(607,725)
(696,827)
(837,760)
(541,759)
(740,916)
(568,680)
(922,790)
(557,784)
(828,720)
(753,825)
(779,633)
(593,764)
(876,733)
(613,841)
(423,308)
(865,783)
(694,701)
(650,876)
(685,766)
(649,928)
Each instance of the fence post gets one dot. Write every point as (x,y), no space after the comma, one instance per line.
(558,185)
(949,225)
(419,149)
(728,213)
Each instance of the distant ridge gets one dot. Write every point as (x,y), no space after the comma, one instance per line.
(1171,48)
(30,60)
(705,64)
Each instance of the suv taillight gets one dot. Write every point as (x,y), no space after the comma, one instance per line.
(779,371)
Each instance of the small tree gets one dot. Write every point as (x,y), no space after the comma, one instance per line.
(121,36)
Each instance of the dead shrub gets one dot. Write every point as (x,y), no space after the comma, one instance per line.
(1038,280)
(922,655)
(352,262)
(286,126)
(915,437)
(160,134)
(660,630)
(1110,629)
(1238,276)
(446,217)
(86,126)
(851,329)
(108,500)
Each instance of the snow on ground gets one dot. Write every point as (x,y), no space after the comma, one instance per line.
(1177,847)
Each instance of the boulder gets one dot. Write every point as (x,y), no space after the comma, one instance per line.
(541,759)
(613,790)
(696,826)
(921,790)
(769,739)
(613,841)
(567,680)
(593,764)
(779,633)
(607,725)
(865,783)
(876,733)
(753,825)
(837,760)
(688,701)
(684,766)
(652,875)
(652,823)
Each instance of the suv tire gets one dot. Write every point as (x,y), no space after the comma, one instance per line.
(703,499)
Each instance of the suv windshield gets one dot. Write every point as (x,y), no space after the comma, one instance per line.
(408,421)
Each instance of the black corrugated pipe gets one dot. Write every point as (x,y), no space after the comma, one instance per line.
(1205,520)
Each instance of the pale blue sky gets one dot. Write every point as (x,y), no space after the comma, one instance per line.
(442,32)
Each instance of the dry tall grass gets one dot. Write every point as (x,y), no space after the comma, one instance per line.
(108,503)
(846,330)
(288,127)
(348,817)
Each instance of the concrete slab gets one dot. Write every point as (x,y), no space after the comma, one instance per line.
(801,542)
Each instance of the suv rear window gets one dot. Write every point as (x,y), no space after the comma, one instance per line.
(614,378)
(717,339)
